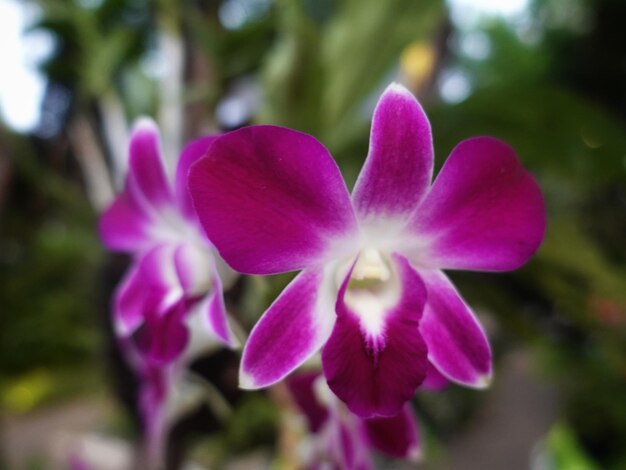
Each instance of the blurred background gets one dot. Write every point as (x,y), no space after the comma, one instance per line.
(547,76)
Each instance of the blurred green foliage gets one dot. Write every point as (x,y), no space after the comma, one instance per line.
(319,72)
(563,451)
(96,44)
(48,265)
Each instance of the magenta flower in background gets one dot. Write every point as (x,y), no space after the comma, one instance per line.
(175,271)
(174,279)
(372,293)
(343,440)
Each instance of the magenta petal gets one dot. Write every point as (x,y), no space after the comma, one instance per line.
(270,199)
(153,390)
(129,302)
(375,374)
(193,266)
(190,154)
(457,344)
(124,226)
(150,287)
(163,338)
(341,444)
(147,181)
(216,312)
(351,450)
(434,380)
(399,165)
(397,436)
(76,462)
(301,387)
(158,268)
(294,327)
(484,211)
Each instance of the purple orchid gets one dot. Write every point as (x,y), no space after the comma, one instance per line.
(175,270)
(372,293)
(344,440)
(174,279)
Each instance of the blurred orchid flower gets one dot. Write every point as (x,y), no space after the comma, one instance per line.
(175,277)
(175,269)
(344,440)
(372,292)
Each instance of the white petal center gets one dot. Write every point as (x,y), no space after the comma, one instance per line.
(373,289)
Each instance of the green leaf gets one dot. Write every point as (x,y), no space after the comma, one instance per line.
(105,60)
(292,76)
(362,44)
(565,452)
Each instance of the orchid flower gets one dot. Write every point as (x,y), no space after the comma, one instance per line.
(372,294)
(175,268)
(344,440)
(175,277)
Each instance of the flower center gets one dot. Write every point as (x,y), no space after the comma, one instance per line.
(371,271)
(373,289)
(170,226)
